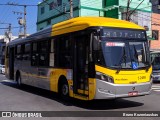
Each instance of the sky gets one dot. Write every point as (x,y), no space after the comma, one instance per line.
(7,15)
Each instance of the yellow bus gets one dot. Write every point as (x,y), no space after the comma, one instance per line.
(85,58)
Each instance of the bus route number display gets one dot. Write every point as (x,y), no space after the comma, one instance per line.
(114,33)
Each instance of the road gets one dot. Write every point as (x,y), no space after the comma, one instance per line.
(29,98)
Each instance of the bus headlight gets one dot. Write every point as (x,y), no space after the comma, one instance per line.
(104,77)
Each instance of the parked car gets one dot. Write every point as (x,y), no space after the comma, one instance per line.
(2,69)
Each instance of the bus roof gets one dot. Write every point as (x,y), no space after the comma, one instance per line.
(76,24)
(81,23)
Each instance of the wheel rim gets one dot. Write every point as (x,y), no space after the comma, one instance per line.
(65,89)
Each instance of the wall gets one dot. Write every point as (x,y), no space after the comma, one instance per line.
(81,8)
(57,14)
(91,8)
(155,44)
(142,15)
(106,8)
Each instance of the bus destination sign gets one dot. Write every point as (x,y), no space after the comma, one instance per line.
(114,33)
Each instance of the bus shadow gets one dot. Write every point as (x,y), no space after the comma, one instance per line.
(89,105)
(107,104)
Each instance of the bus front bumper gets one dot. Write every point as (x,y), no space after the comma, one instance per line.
(107,90)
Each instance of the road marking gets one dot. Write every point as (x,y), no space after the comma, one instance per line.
(156,88)
(155,85)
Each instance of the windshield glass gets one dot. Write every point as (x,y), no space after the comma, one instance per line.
(124,54)
(121,49)
(129,55)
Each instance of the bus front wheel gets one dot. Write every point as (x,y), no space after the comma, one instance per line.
(64,90)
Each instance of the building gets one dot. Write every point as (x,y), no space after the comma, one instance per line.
(155,6)
(155,43)
(54,11)
(137,11)
(3,41)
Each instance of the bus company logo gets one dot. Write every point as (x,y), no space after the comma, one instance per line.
(133,88)
(6,114)
(117,44)
(110,44)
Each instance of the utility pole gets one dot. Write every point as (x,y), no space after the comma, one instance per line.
(71,8)
(23,21)
(127,17)
(135,9)
(9,32)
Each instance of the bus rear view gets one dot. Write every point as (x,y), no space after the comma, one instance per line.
(155,58)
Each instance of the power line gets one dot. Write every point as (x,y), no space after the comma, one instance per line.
(3,28)
(135,9)
(15,4)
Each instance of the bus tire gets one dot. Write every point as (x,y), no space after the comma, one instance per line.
(18,80)
(64,90)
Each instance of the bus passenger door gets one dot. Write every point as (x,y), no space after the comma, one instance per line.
(11,63)
(80,66)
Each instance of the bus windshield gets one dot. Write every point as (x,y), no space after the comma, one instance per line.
(121,51)
(124,54)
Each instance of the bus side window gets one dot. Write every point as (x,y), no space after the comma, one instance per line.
(19,52)
(63,52)
(34,54)
(44,53)
(26,55)
(51,56)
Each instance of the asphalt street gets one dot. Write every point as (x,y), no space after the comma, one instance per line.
(27,98)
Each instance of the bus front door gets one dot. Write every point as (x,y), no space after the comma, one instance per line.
(80,68)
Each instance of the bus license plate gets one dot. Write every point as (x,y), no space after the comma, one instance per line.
(134,93)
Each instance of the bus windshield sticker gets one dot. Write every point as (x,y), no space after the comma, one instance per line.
(113,44)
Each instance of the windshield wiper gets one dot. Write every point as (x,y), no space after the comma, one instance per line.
(121,60)
(136,54)
(147,66)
